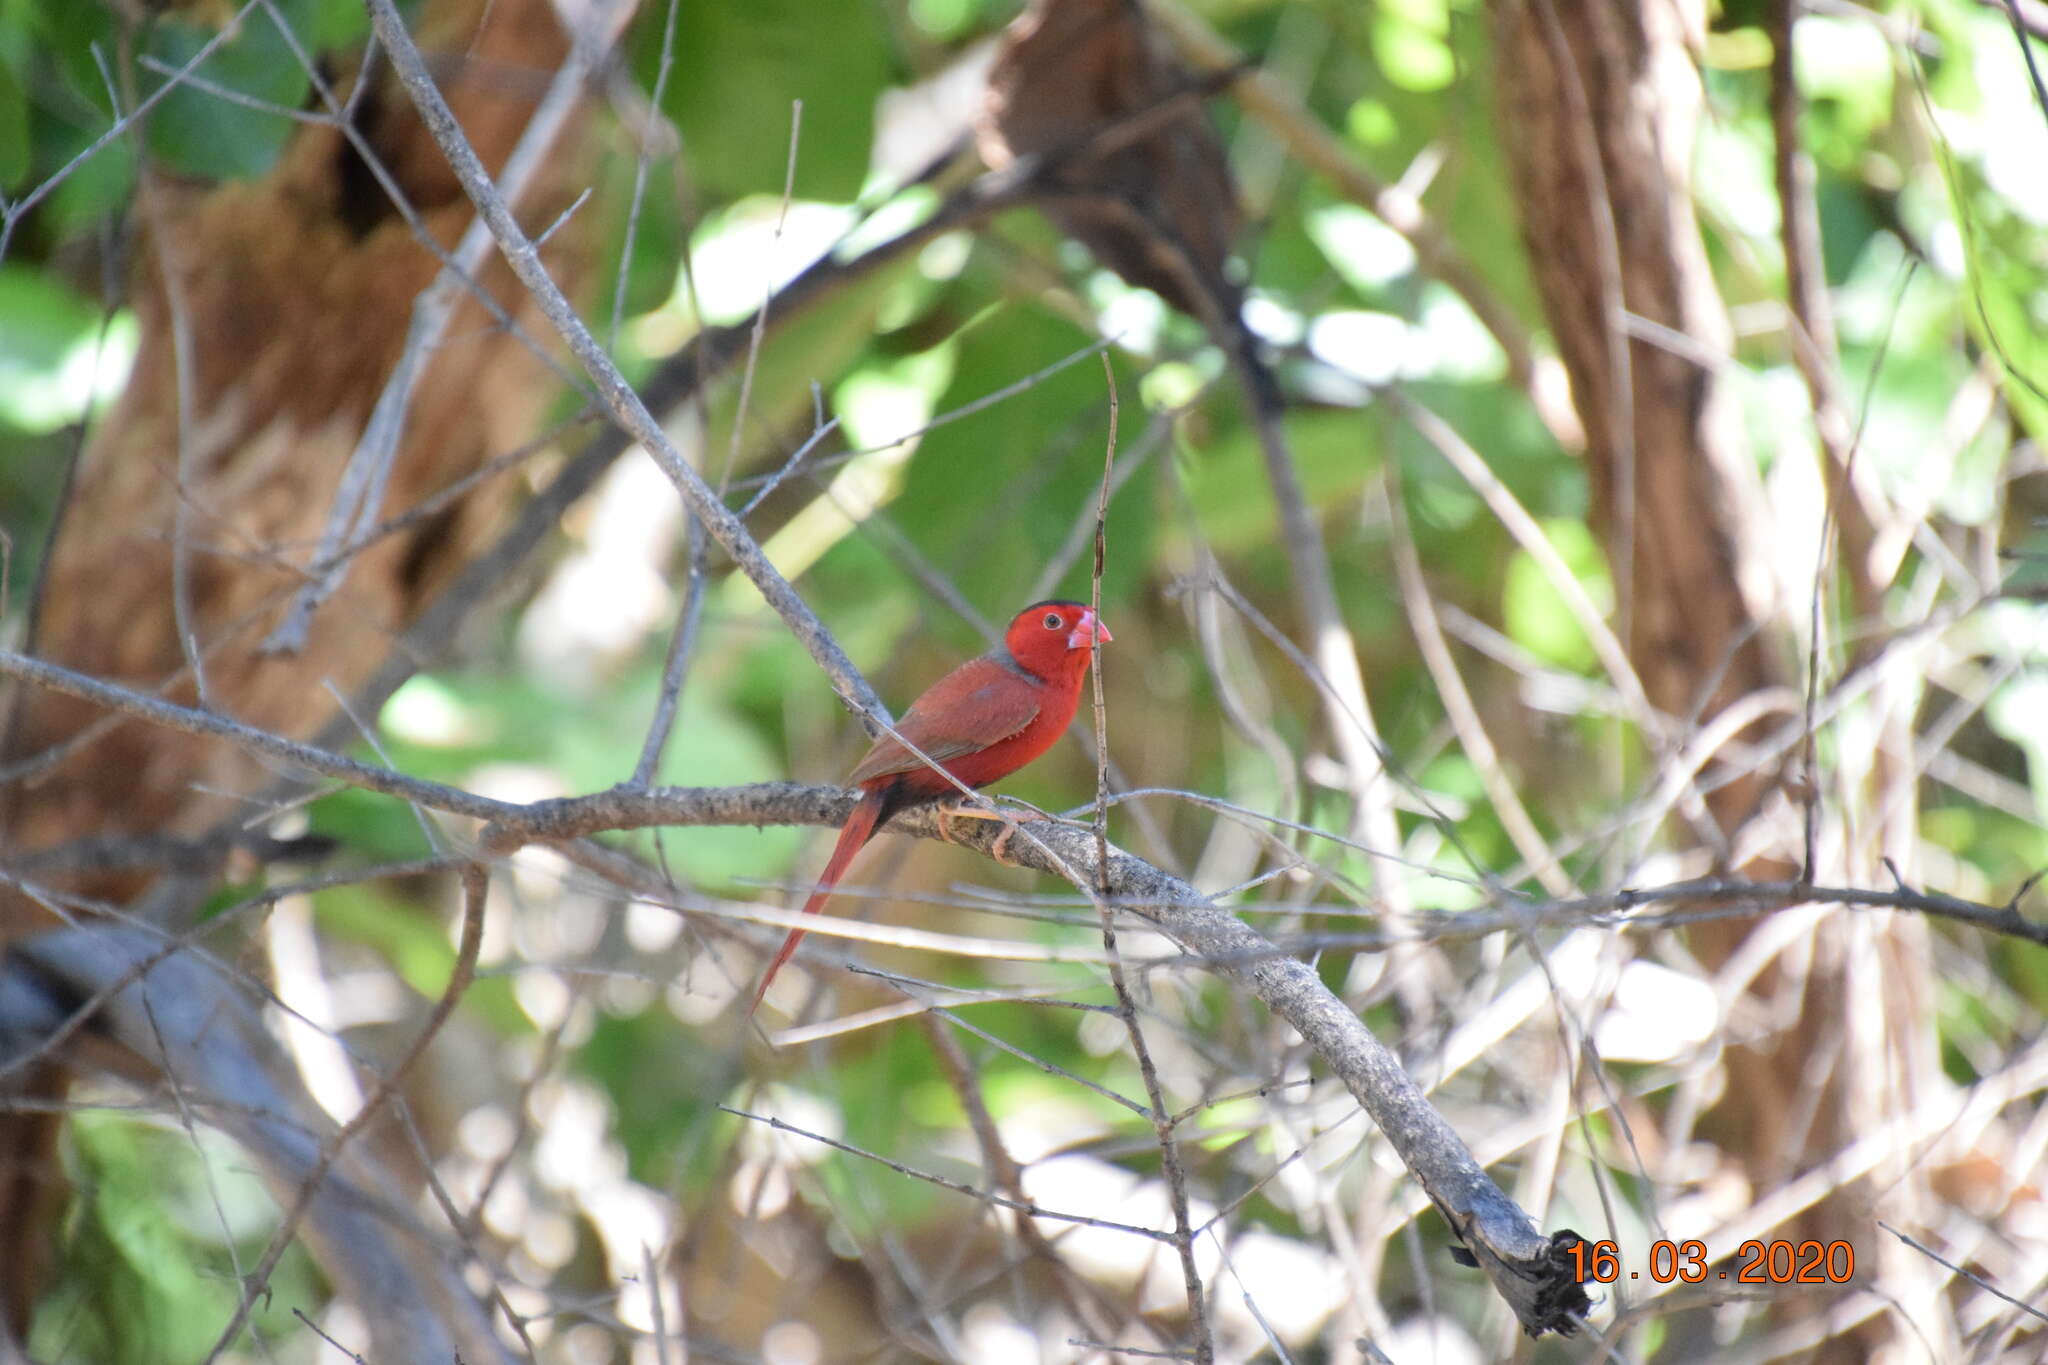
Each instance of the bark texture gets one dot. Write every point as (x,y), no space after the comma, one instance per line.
(295,291)
(1600,104)
(1155,203)
(272,312)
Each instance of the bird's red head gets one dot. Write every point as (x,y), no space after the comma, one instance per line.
(1055,637)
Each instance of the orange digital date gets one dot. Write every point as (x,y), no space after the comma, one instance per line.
(1755,1262)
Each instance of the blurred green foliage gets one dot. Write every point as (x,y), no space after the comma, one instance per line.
(161,1221)
(739,73)
(1933,244)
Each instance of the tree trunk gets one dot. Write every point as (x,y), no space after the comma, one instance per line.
(1600,104)
(271,313)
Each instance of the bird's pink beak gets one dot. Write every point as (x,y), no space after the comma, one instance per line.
(1078,638)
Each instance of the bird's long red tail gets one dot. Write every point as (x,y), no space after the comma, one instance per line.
(858,829)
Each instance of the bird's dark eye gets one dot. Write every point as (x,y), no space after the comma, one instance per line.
(1052,620)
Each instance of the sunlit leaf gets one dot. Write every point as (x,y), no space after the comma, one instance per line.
(740,70)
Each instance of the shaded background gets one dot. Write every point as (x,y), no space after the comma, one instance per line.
(1668,396)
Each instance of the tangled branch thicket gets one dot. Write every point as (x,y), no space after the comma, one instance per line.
(1650,887)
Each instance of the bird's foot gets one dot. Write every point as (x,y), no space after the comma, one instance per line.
(945,816)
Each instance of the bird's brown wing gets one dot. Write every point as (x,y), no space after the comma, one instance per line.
(978,704)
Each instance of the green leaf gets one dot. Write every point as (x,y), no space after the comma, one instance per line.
(1413,57)
(642,1061)
(740,68)
(203,132)
(1535,612)
(992,497)
(45,319)
(14,157)
(50,368)
(713,746)
(66,34)
(1334,455)
(145,1277)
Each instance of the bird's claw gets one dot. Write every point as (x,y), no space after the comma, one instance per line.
(998,849)
(1010,820)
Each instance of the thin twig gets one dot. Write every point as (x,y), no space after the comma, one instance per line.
(474,882)
(2024,23)
(1459,706)
(185,380)
(643,154)
(618,396)
(1004,1172)
(1052,1068)
(252,740)
(359,495)
(681,648)
(1309,140)
(2029,1309)
(321,1333)
(1528,533)
(1024,1206)
(1127,1008)
(760,328)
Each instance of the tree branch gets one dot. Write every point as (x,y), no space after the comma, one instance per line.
(1527,1268)
(617,396)
(183,1017)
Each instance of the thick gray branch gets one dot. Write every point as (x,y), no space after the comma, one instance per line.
(1528,1269)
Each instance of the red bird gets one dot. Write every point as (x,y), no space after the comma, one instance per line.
(981,722)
